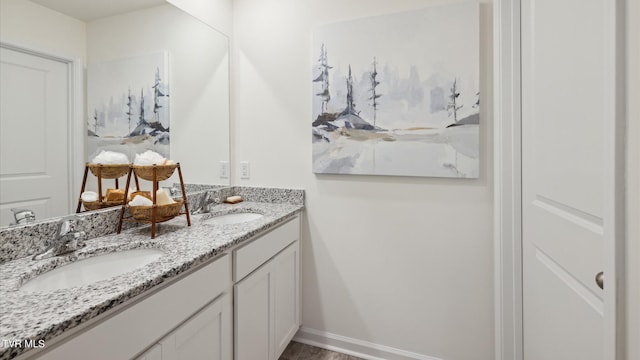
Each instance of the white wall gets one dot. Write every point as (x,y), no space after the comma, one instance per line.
(36,27)
(215,13)
(198,80)
(633,178)
(399,262)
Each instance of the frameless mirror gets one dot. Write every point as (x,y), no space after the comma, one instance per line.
(45,131)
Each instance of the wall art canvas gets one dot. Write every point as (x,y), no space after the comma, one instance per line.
(398,94)
(128,106)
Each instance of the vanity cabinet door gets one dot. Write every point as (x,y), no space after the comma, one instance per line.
(253,310)
(206,335)
(286,274)
(267,307)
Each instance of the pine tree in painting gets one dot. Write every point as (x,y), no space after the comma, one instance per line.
(129,110)
(453,106)
(324,78)
(374,95)
(95,121)
(157,94)
(351,106)
(141,119)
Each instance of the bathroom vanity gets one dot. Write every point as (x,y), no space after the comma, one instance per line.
(219,291)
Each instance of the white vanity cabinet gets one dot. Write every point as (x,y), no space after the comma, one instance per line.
(172,320)
(267,293)
(243,305)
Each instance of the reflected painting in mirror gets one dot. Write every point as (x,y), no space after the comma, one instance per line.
(43,141)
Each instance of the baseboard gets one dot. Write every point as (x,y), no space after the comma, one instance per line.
(355,347)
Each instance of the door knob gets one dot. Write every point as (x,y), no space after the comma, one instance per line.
(600,280)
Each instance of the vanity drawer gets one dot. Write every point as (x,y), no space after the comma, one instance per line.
(262,248)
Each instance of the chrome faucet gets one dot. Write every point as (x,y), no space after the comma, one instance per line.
(205,204)
(67,239)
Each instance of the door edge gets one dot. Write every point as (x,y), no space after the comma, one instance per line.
(507,183)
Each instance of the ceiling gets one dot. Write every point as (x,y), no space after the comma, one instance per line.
(87,10)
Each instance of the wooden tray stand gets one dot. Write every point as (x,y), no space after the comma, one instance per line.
(101,172)
(155,217)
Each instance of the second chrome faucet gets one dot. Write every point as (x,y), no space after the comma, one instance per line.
(67,239)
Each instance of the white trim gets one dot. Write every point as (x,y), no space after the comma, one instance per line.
(75,115)
(614,181)
(507,184)
(78,131)
(355,347)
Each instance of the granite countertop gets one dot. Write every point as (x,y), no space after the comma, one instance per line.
(43,315)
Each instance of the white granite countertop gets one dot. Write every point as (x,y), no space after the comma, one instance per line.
(43,315)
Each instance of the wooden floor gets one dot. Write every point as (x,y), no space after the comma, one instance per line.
(297,351)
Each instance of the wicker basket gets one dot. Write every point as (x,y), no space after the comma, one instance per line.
(163,172)
(109,171)
(163,212)
(95,205)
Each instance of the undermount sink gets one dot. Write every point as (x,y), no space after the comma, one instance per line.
(234,218)
(91,270)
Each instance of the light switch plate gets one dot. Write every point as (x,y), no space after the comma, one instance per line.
(244,170)
(224,169)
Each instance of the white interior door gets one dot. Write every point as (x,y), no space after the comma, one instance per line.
(34,135)
(566,120)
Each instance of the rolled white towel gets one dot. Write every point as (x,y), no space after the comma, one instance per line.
(163,198)
(149,158)
(140,201)
(110,157)
(89,196)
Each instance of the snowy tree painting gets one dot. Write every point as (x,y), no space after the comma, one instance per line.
(128,106)
(398,94)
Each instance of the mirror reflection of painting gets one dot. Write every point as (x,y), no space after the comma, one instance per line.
(128,102)
(398,94)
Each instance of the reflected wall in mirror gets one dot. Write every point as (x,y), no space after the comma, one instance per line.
(33,149)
